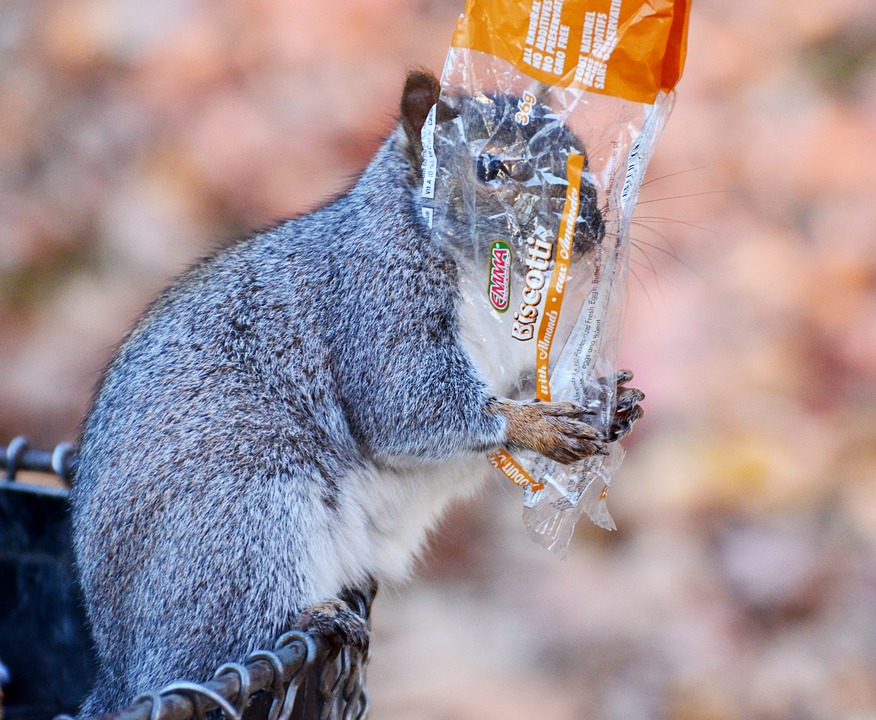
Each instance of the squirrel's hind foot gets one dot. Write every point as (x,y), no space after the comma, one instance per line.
(338,623)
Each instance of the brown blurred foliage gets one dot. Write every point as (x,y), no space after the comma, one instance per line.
(136,136)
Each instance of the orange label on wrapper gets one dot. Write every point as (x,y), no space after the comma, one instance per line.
(631,49)
(511,469)
(554,298)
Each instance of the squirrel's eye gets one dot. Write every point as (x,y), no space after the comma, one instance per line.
(488,168)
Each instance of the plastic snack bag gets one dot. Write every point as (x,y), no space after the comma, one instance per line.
(533,160)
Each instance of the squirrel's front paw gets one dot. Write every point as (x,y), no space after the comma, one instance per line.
(338,623)
(552,429)
(627,410)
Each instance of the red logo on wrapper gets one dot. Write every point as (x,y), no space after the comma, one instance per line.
(499,288)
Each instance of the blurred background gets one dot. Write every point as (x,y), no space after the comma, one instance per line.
(741,582)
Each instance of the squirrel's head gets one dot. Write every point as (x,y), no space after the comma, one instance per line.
(503,163)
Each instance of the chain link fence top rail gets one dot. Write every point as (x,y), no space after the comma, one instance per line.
(303,677)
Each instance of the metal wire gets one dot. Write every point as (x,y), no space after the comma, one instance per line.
(17,456)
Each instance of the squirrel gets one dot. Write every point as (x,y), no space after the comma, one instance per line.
(289,419)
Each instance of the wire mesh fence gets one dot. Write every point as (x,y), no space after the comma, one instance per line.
(46,654)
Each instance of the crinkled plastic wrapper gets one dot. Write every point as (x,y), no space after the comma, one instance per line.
(533,160)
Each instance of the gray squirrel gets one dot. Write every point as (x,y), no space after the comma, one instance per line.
(289,419)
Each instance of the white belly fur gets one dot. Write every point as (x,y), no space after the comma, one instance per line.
(385,516)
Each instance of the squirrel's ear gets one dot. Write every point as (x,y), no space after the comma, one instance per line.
(420,94)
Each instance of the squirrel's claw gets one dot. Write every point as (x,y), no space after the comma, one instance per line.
(627,412)
(338,623)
